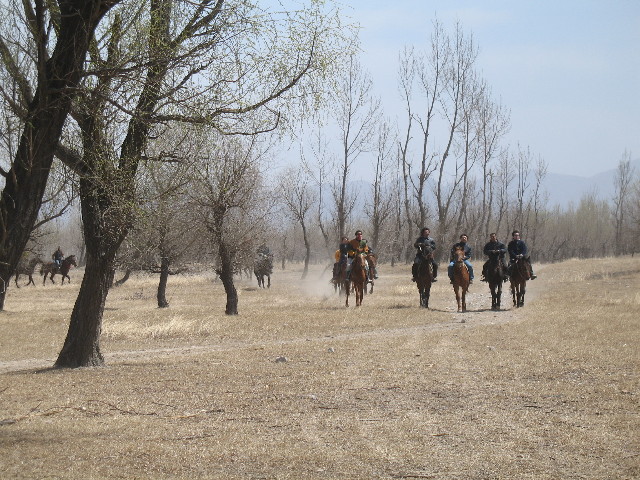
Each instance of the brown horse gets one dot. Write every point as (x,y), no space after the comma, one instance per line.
(372,260)
(27,267)
(495,275)
(460,279)
(357,278)
(519,275)
(424,274)
(51,269)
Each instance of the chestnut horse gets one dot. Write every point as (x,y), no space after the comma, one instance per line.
(519,275)
(460,279)
(357,278)
(495,275)
(27,268)
(424,274)
(51,269)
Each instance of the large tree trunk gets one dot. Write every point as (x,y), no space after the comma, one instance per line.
(162,286)
(226,275)
(26,180)
(82,345)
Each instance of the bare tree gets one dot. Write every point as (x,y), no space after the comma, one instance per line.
(356,115)
(622,182)
(379,205)
(227,187)
(299,198)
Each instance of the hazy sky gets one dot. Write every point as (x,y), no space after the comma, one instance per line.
(569,70)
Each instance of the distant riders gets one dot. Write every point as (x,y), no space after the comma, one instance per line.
(424,239)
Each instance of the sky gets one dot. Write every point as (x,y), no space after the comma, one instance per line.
(568,70)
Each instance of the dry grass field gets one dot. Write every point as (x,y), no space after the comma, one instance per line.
(299,387)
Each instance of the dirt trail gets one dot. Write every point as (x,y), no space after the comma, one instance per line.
(479,295)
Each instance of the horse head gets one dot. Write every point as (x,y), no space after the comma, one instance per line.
(459,253)
(71,260)
(426,252)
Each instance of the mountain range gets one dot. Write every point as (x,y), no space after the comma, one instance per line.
(566,189)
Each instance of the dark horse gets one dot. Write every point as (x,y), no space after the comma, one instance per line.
(357,278)
(27,267)
(495,275)
(51,269)
(519,275)
(263,267)
(460,279)
(424,273)
(339,276)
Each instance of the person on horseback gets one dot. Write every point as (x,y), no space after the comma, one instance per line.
(518,249)
(263,249)
(494,248)
(341,257)
(57,257)
(424,239)
(464,238)
(357,246)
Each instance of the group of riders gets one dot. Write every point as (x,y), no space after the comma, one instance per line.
(494,249)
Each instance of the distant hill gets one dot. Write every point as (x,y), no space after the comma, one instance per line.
(563,189)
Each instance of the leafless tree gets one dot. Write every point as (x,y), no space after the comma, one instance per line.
(621,200)
(299,198)
(227,189)
(356,115)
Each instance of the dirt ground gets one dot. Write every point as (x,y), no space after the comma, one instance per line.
(297,386)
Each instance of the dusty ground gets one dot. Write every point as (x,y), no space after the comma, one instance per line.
(297,386)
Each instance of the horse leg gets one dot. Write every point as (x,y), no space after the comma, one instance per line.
(31,282)
(17,275)
(458,298)
(464,300)
(347,287)
(268,281)
(523,290)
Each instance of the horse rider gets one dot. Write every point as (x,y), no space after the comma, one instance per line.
(263,250)
(495,248)
(464,238)
(424,239)
(518,249)
(357,246)
(341,257)
(57,257)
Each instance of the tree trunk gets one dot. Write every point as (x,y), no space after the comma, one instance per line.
(82,345)
(226,275)
(127,274)
(162,286)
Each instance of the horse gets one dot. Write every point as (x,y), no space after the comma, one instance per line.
(339,276)
(357,278)
(263,267)
(372,260)
(460,279)
(424,274)
(51,269)
(519,275)
(494,276)
(27,268)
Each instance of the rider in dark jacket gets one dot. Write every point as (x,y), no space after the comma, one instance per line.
(495,248)
(518,249)
(467,256)
(424,239)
